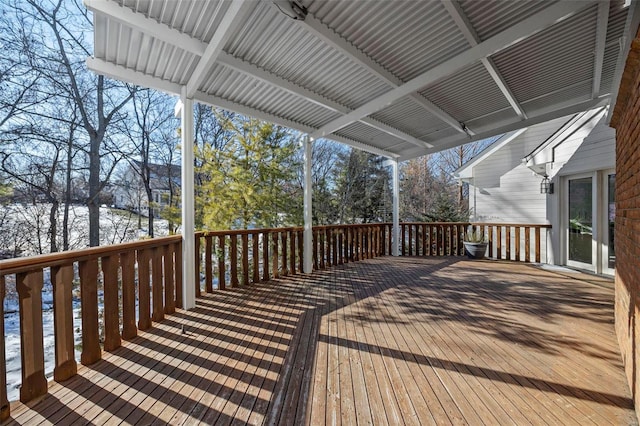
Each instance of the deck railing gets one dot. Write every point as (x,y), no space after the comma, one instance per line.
(507,241)
(139,282)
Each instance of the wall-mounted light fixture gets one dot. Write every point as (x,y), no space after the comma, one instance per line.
(546,186)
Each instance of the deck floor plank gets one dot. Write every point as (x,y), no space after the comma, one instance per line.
(381,341)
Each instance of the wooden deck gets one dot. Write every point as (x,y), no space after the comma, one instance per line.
(382,341)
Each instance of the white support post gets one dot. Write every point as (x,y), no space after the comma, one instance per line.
(396,208)
(308,217)
(188,216)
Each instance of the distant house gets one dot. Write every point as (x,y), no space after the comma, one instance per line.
(130,194)
(577,154)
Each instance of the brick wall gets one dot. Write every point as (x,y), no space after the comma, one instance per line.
(626,121)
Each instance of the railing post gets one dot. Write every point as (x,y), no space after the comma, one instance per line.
(62,280)
(111,311)
(169,279)
(29,287)
(144,288)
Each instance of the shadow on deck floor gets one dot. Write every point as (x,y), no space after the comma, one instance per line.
(382,341)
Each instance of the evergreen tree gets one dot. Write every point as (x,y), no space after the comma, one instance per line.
(363,188)
(247,182)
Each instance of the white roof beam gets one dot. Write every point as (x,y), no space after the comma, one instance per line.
(233,15)
(127,75)
(261,115)
(601,41)
(509,126)
(326,34)
(461,20)
(541,20)
(274,80)
(140,22)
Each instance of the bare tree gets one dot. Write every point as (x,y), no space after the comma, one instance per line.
(57,52)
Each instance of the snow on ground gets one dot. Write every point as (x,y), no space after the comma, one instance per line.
(19,223)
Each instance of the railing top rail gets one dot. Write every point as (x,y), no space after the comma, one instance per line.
(21,264)
(521,225)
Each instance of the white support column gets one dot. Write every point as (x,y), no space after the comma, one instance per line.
(308,199)
(188,215)
(396,208)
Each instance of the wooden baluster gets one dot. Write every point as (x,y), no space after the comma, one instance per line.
(89,299)
(265,257)
(144,288)
(403,240)
(448,240)
(178,253)
(527,244)
(442,240)
(518,244)
(285,270)
(157,288)
(329,243)
(315,249)
(537,244)
(370,242)
(410,226)
(461,252)
(169,279)
(276,256)
(508,242)
(322,237)
(5,408)
(391,239)
(255,255)
(383,239)
(419,246)
(198,261)
(222,271)
(292,260)
(110,266)
(301,250)
(490,238)
(62,280)
(29,287)
(208,263)
(340,249)
(499,242)
(127,262)
(233,253)
(334,247)
(356,248)
(245,259)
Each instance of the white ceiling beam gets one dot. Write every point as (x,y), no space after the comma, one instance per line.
(526,28)
(233,15)
(330,37)
(274,80)
(261,115)
(127,75)
(140,22)
(463,23)
(511,125)
(601,41)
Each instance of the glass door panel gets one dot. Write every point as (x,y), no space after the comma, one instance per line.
(581,220)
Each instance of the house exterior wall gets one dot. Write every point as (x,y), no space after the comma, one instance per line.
(627,226)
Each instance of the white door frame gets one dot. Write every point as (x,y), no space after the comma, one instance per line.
(603,204)
(595,225)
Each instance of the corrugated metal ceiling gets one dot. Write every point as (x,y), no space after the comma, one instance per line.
(351,57)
